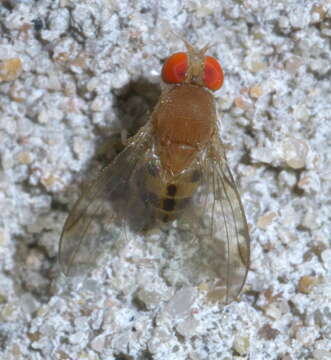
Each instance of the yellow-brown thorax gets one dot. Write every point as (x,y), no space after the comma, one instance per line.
(183,122)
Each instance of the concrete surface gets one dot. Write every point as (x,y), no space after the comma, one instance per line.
(74,73)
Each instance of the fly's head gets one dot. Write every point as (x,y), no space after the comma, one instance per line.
(193,67)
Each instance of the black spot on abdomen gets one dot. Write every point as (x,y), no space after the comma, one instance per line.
(171,190)
(168,199)
(168,204)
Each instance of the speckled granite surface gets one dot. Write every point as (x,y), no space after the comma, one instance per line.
(74,73)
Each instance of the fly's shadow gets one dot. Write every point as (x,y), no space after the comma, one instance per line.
(111,199)
(133,105)
(135,102)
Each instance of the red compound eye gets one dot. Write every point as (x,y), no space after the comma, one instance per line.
(175,67)
(213,77)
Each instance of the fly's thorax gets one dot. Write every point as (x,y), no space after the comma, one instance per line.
(183,121)
(169,197)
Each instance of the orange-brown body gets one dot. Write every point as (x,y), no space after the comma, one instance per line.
(183,122)
(174,167)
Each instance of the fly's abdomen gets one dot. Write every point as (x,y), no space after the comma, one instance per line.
(169,199)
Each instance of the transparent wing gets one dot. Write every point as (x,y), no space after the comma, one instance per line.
(218,228)
(90,224)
